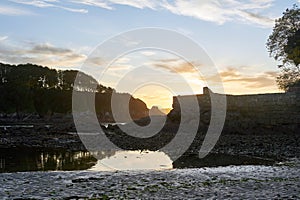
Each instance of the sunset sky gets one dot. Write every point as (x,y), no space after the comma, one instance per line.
(62,34)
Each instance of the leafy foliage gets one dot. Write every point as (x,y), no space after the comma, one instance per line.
(292,49)
(284,45)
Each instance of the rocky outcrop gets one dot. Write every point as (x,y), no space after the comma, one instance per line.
(119,108)
(154,111)
(250,114)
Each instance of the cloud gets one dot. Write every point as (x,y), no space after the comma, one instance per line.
(42,54)
(204,10)
(256,18)
(216,11)
(221,11)
(73,10)
(120,67)
(230,73)
(13,11)
(47,48)
(95,3)
(108,4)
(48,4)
(36,3)
(95,61)
(253,81)
(148,53)
(2,38)
(122,60)
(137,3)
(176,66)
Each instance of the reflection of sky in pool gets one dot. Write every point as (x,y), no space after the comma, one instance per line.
(32,159)
(20,160)
(134,160)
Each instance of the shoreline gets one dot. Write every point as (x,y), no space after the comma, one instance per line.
(258,165)
(242,182)
(55,135)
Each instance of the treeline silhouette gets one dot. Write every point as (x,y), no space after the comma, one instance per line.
(29,88)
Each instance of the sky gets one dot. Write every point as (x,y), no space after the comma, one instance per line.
(63,34)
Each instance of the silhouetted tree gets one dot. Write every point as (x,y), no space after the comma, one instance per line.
(32,88)
(73,78)
(292,49)
(283,45)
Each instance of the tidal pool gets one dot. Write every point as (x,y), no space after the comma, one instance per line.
(30,159)
(134,160)
(22,160)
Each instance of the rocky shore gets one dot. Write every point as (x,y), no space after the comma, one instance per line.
(35,132)
(60,133)
(239,182)
(241,166)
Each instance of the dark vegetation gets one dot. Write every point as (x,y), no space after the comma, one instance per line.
(29,88)
(284,46)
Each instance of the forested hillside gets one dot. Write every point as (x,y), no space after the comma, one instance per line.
(29,88)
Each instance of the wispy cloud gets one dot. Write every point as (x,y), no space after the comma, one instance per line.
(148,53)
(234,80)
(37,3)
(256,18)
(221,11)
(231,77)
(217,11)
(108,4)
(96,3)
(13,11)
(176,66)
(47,48)
(120,67)
(42,54)
(95,61)
(73,9)
(137,3)
(122,60)
(2,38)
(48,4)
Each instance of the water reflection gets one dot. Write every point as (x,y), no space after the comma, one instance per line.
(112,124)
(133,160)
(20,160)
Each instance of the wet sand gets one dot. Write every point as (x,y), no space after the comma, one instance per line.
(231,182)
